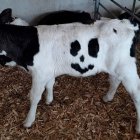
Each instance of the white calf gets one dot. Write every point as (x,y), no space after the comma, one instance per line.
(77,50)
(84,50)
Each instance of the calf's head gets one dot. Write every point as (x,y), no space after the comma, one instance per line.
(6,17)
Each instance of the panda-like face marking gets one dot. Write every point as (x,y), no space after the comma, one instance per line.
(78,68)
(75,48)
(82,58)
(92,48)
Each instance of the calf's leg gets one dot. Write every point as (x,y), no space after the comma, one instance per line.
(38,86)
(49,91)
(114,83)
(131,82)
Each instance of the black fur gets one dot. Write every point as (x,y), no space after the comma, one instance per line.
(135,22)
(93,47)
(126,15)
(61,17)
(82,58)
(4,59)
(75,47)
(6,16)
(20,43)
(115,31)
(79,69)
(134,43)
(90,67)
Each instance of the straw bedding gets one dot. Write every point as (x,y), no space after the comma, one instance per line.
(77,112)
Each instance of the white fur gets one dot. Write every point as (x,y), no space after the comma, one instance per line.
(3,53)
(54,59)
(18,21)
(12,63)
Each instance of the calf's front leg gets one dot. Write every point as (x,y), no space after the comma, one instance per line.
(38,86)
(131,82)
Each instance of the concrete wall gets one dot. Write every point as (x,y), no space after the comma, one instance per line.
(30,9)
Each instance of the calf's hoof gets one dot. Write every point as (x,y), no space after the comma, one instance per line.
(27,124)
(49,101)
(107,98)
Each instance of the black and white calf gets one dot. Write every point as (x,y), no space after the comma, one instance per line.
(77,50)
(6,17)
(58,17)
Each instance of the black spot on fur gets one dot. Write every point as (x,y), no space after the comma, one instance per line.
(20,43)
(93,47)
(90,67)
(134,43)
(124,15)
(134,21)
(75,47)
(115,31)
(79,69)
(82,58)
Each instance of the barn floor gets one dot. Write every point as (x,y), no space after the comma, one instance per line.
(77,112)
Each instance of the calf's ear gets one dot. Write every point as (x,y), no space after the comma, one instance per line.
(6,16)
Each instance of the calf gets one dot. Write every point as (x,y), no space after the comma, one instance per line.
(59,17)
(77,50)
(6,17)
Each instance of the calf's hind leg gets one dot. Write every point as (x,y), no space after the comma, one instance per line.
(114,83)
(131,82)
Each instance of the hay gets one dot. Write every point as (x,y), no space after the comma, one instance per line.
(77,111)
